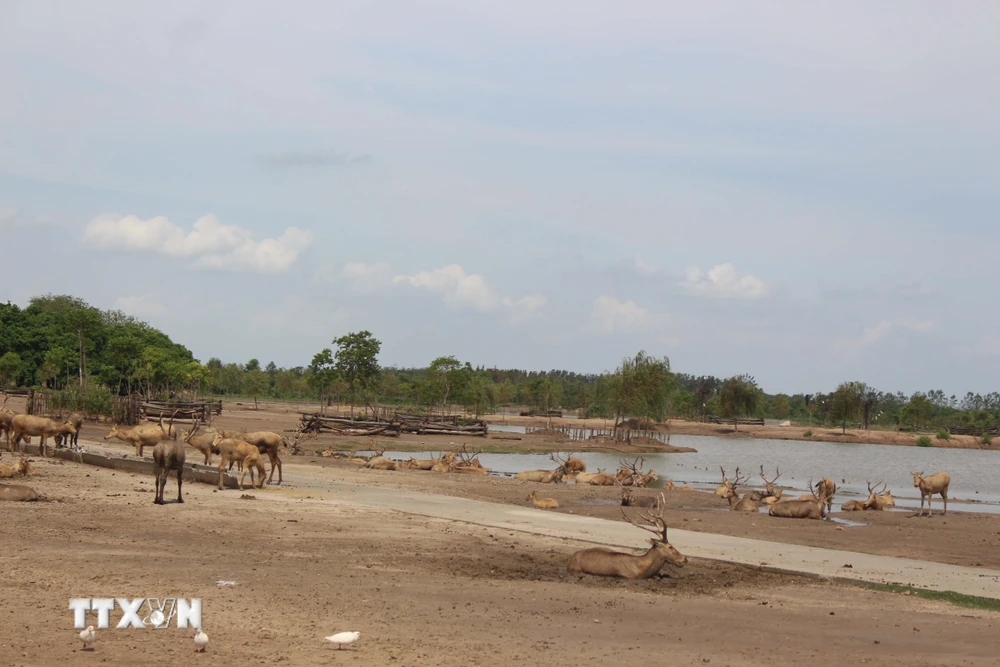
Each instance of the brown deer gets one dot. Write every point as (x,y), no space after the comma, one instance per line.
(268,442)
(769,490)
(18,492)
(602,479)
(543,503)
(825,488)
(670,486)
(878,499)
(629,499)
(72,440)
(629,473)
(604,562)
(20,469)
(814,508)
(585,477)
(569,465)
(204,443)
(419,464)
(144,435)
(168,455)
(727,483)
(248,456)
(744,504)
(29,426)
(936,483)
(541,476)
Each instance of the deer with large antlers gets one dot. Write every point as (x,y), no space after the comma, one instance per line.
(936,483)
(604,562)
(729,484)
(770,493)
(812,508)
(878,499)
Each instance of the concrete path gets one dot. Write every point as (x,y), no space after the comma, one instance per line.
(771,556)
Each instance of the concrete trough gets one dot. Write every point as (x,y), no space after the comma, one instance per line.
(193,472)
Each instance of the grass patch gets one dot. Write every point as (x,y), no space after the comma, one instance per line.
(943,435)
(986,439)
(924,441)
(808,433)
(957,599)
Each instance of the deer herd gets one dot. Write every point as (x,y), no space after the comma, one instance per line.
(247,451)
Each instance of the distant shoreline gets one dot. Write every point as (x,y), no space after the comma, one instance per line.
(793,432)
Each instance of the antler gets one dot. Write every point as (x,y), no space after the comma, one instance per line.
(724,479)
(871,488)
(630,466)
(739,479)
(658,526)
(558,459)
(194,429)
(766,480)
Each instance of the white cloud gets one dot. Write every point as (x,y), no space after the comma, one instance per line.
(989,347)
(644,267)
(213,244)
(722,281)
(267,256)
(462,290)
(526,307)
(459,289)
(612,315)
(879,331)
(140,305)
(367,277)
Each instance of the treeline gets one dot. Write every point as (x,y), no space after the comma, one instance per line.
(63,344)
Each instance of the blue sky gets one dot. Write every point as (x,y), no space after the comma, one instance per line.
(807,192)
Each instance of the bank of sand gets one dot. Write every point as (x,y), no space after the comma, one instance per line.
(421,591)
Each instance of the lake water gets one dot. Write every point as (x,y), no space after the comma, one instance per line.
(848,465)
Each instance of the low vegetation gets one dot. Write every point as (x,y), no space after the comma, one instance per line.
(957,599)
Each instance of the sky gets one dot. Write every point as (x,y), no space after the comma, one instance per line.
(805,192)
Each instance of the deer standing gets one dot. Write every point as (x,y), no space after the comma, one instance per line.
(936,483)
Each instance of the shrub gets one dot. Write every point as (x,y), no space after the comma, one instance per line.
(924,441)
(808,433)
(943,435)
(986,439)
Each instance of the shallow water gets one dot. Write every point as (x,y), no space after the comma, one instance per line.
(847,464)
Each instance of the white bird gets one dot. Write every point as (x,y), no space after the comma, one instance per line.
(201,641)
(342,639)
(87,637)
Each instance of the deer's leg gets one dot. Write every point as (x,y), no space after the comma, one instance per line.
(222,469)
(180,480)
(944,497)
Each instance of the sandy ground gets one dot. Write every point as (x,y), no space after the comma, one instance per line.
(421,591)
(965,538)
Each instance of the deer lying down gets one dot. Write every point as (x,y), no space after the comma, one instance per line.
(607,563)
(737,504)
(20,469)
(541,476)
(543,503)
(814,508)
(419,464)
(17,492)
(585,477)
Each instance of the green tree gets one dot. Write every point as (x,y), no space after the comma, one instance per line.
(739,396)
(781,407)
(255,383)
(547,394)
(10,368)
(322,374)
(847,402)
(504,393)
(443,372)
(641,387)
(480,392)
(252,365)
(357,361)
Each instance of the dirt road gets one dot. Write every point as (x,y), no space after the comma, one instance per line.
(421,591)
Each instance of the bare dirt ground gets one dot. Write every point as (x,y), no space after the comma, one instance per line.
(421,591)
(966,538)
